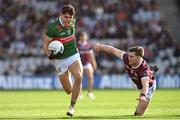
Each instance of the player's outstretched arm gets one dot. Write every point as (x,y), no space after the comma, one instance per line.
(109,49)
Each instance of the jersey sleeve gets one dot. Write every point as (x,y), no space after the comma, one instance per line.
(50,31)
(125,57)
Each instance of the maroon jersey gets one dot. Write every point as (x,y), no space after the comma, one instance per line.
(136,74)
(85,51)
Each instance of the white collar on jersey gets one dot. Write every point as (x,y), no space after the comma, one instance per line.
(60,21)
(141,60)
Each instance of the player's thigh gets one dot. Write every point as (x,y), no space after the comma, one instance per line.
(76,69)
(65,81)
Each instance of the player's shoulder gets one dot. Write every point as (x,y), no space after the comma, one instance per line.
(52,25)
(144,67)
(124,56)
(144,64)
(89,43)
(51,29)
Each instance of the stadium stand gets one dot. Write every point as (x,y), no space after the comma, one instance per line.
(125,22)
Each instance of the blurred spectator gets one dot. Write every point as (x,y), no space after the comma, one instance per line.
(130,22)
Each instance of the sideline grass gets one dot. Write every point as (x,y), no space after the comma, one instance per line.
(109,104)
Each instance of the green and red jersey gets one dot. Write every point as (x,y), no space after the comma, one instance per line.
(66,36)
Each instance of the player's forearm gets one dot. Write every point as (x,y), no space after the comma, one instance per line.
(45,46)
(46,51)
(145,87)
(109,49)
(106,48)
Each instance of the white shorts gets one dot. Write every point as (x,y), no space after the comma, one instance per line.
(62,65)
(151,90)
(87,66)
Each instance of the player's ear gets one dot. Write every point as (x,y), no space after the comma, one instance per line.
(137,56)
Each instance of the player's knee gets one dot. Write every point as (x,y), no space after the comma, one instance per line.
(78,78)
(68,91)
(90,77)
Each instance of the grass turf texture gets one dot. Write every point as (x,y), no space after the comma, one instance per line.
(109,104)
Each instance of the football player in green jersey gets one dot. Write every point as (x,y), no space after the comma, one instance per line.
(69,62)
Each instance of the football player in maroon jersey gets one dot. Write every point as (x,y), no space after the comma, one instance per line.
(88,60)
(138,70)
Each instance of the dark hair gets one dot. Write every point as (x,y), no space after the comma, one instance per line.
(139,51)
(68,9)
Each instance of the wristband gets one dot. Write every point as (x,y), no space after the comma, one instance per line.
(142,94)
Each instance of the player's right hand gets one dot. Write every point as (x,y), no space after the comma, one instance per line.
(97,47)
(52,56)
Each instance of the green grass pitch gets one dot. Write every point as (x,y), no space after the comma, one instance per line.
(109,104)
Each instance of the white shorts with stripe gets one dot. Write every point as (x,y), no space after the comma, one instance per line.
(88,66)
(62,65)
(151,90)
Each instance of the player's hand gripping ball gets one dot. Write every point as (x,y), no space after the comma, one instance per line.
(55,47)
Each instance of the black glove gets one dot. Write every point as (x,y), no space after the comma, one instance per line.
(154,68)
(52,56)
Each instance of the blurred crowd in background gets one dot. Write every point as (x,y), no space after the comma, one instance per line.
(121,23)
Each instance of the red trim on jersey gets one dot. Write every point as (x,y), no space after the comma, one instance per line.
(66,39)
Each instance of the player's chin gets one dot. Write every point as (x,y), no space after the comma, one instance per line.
(130,63)
(67,23)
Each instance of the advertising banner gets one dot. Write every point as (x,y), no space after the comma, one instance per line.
(100,82)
